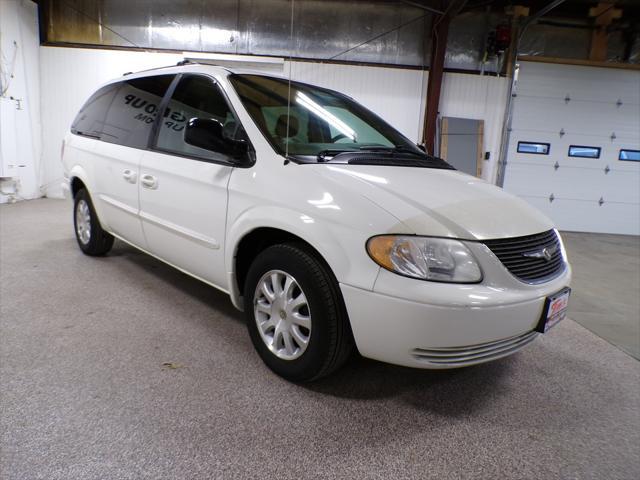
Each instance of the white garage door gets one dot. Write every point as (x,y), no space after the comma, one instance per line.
(574,148)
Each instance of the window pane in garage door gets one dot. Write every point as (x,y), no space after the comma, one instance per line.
(532,147)
(584,152)
(632,155)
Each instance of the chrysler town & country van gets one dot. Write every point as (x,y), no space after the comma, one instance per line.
(329,228)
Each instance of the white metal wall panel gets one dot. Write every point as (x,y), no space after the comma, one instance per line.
(567,105)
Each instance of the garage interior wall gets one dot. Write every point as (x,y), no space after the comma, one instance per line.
(20,133)
(70,75)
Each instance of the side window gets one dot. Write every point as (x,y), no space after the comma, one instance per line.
(197,100)
(134,109)
(90,118)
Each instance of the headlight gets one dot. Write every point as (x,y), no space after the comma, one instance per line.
(436,259)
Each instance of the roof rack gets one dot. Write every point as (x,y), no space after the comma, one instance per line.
(147,70)
(249,62)
(235,61)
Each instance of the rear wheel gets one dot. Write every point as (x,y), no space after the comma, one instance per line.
(92,239)
(296,316)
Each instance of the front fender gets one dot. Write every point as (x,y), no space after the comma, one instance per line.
(341,246)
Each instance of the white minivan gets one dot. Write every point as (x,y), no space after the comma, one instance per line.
(328,227)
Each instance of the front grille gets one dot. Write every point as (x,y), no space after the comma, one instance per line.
(472,354)
(533,258)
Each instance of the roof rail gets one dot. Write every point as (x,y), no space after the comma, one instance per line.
(148,70)
(235,61)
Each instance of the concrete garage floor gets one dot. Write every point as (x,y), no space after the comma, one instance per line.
(84,393)
(606,286)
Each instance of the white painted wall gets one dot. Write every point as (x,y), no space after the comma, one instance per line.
(20,138)
(70,75)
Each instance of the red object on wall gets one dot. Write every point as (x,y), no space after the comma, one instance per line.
(503,37)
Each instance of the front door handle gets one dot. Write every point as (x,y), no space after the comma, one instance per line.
(129,175)
(149,181)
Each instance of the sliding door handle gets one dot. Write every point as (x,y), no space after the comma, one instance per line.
(129,175)
(149,181)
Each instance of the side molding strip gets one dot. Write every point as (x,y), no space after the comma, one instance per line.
(187,233)
(119,205)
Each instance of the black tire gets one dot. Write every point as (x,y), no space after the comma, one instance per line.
(99,241)
(330,340)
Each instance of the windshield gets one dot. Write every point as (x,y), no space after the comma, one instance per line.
(319,122)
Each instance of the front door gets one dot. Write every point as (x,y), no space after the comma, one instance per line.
(183,188)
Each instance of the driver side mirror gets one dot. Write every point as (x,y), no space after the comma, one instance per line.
(208,134)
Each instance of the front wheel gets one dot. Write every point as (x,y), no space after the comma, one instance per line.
(92,239)
(295,313)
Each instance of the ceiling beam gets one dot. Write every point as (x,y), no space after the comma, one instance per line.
(604,14)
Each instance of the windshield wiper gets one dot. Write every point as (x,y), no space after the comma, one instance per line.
(375,149)
(402,148)
(395,148)
(332,152)
(402,161)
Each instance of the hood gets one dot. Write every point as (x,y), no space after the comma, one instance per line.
(443,203)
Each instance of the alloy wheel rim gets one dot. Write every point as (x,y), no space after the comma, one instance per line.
(83,222)
(282,315)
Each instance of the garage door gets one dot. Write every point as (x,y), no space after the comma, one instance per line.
(574,146)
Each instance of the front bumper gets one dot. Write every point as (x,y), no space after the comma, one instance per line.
(409,333)
(437,325)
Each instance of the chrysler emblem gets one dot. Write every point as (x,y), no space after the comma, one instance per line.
(544,254)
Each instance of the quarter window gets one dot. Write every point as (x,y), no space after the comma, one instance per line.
(581,151)
(196,97)
(133,110)
(90,119)
(534,147)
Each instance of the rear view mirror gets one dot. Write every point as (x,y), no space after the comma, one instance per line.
(208,134)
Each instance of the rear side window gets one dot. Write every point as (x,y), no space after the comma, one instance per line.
(195,97)
(90,118)
(133,110)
